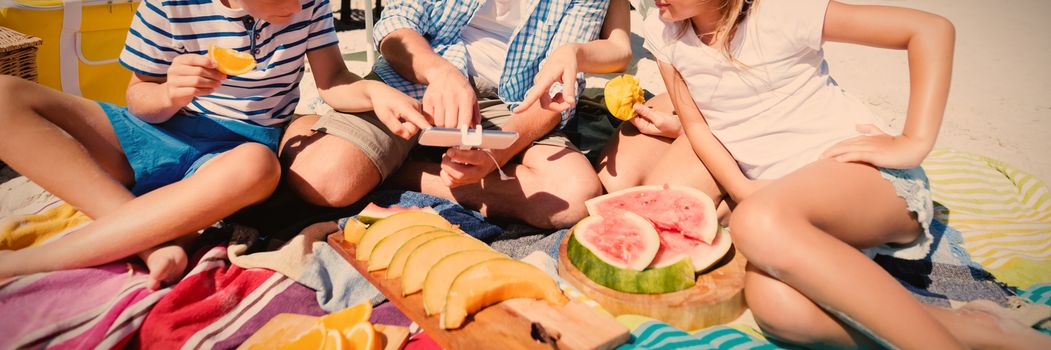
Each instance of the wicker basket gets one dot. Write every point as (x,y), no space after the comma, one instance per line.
(18,54)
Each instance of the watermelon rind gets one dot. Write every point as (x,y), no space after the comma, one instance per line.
(651,242)
(672,278)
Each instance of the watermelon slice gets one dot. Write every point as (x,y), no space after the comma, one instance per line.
(624,241)
(684,218)
(373,212)
(653,280)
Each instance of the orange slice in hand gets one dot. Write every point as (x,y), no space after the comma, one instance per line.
(363,337)
(231,62)
(621,94)
(349,317)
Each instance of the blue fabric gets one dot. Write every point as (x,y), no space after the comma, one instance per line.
(164,153)
(470,221)
(654,335)
(551,24)
(338,284)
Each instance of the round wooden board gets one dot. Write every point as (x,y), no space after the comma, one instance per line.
(717,298)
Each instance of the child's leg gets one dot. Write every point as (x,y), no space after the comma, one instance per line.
(242,176)
(679,165)
(783,313)
(631,155)
(805,230)
(87,170)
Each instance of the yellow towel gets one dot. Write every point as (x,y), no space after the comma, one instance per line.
(29,230)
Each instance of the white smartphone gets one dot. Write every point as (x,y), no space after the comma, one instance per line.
(477,138)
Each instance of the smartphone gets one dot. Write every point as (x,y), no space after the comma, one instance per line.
(476,138)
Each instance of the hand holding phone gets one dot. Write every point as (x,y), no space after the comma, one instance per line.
(465,138)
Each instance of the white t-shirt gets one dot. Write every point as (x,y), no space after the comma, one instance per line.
(488,35)
(779,111)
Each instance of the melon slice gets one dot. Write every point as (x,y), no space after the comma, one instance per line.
(392,224)
(653,280)
(384,251)
(624,240)
(423,258)
(440,277)
(683,216)
(373,213)
(702,255)
(397,263)
(492,281)
(353,230)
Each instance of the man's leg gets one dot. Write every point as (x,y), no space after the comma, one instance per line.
(550,186)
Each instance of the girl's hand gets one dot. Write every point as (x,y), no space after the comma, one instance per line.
(879,149)
(560,67)
(651,122)
(399,112)
(191,75)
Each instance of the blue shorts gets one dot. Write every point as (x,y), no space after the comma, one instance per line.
(913,187)
(161,154)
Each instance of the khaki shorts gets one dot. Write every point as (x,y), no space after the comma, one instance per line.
(388,151)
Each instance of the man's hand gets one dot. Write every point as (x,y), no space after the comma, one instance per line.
(464,167)
(560,67)
(191,75)
(399,112)
(450,100)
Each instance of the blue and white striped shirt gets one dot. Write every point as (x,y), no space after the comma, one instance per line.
(551,24)
(163,29)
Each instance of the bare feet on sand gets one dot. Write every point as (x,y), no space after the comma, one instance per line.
(166,263)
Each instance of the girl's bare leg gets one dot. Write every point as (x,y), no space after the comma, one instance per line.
(805,230)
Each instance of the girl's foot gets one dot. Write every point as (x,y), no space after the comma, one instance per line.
(1016,322)
(166,263)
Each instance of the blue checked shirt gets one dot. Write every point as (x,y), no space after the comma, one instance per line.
(551,24)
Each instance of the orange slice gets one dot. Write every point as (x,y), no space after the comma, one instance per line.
(231,62)
(621,94)
(346,318)
(363,337)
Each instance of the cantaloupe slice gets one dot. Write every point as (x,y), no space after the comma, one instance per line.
(353,230)
(440,277)
(397,263)
(492,281)
(384,251)
(386,227)
(423,258)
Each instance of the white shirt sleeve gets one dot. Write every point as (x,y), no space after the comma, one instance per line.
(653,30)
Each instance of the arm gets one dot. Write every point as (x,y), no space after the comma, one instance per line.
(157,99)
(929,40)
(611,53)
(711,152)
(347,92)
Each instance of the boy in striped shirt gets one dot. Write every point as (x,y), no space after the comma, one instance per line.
(193,145)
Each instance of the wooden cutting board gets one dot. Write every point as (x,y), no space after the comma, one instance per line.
(716,298)
(512,324)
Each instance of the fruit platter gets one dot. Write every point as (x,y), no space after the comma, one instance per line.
(656,251)
(464,294)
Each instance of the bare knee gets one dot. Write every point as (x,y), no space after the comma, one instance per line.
(561,203)
(252,174)
(331,181)
(761,230)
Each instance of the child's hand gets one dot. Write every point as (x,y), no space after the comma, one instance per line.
(450,100)
(559,67)
(651,122)
(399,112)
(879,149)
(191,75)
(464,167)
